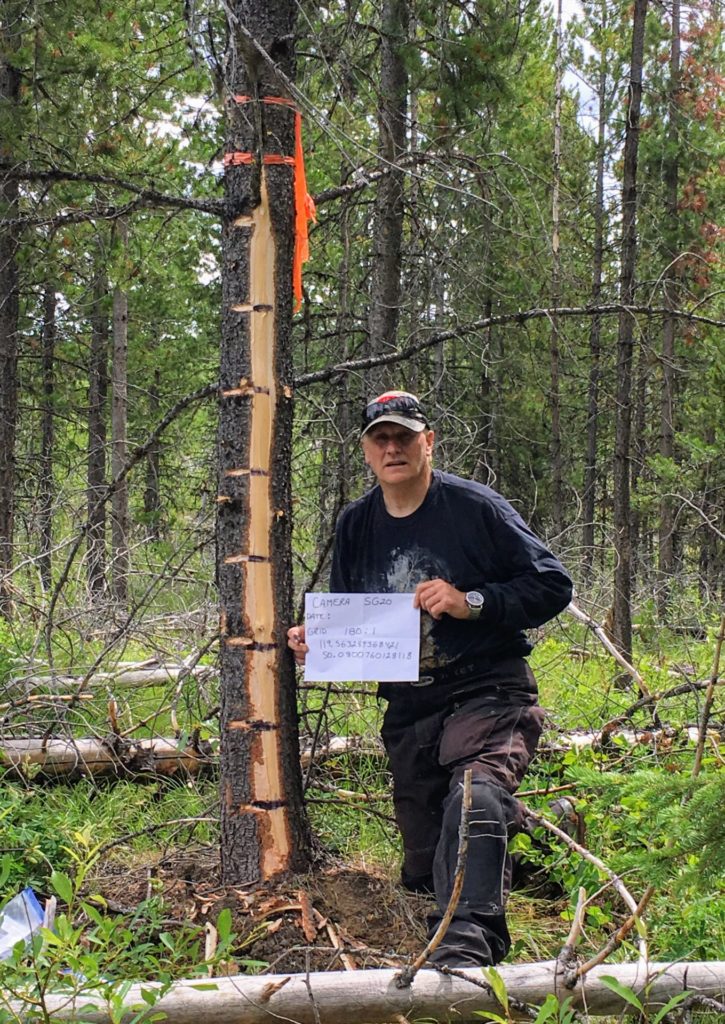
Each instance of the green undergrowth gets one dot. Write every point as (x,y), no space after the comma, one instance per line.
(640,812)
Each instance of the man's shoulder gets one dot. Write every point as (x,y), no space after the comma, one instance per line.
(360,506)
(468,490)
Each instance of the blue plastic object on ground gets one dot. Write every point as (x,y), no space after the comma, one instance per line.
(20,919)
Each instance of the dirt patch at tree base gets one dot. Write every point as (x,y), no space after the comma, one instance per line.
(338,917)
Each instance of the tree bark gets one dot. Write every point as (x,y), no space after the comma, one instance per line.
(47,432)
(557,510)
(119,434)
(263,824)
(625,345)
(666,548)
(10,33)
(152,491)
(590,468)
(385,292)
(97,393)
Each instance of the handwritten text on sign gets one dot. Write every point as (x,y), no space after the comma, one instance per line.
(361,637)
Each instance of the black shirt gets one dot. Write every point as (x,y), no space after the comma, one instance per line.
(467,534)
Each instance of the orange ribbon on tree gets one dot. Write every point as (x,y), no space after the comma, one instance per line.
(304,203)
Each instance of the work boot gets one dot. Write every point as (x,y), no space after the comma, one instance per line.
(468,942)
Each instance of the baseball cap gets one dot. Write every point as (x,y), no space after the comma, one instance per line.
(394,407)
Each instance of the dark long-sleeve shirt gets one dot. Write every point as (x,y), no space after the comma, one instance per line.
(469,535)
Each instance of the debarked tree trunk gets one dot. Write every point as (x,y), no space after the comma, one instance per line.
(374,997)
(263,824)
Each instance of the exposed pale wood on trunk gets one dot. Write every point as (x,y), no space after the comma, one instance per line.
(263,823)
(373,997)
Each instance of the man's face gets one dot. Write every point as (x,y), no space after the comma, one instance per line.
(397,455)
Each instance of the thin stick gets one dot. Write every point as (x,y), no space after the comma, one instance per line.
(405,978)
(566,956)
(709,697)
(593,859)
(598,631)
(340,946)
(614,942)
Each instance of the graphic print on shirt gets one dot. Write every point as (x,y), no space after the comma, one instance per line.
(407,568)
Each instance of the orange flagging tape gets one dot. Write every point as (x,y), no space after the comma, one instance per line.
(304,203)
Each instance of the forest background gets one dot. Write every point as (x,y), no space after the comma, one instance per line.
(484,239)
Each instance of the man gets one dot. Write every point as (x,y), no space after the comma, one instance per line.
(480,578)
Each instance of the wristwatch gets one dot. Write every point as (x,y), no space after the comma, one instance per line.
(474,600)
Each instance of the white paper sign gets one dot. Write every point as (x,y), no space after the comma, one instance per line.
(361,638)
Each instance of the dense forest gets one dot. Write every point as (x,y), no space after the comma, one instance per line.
(513,212)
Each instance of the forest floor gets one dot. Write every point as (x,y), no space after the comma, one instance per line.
(337,917)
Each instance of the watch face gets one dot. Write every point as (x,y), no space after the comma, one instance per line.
(474,599)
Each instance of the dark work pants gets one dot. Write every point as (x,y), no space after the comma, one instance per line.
(429,751)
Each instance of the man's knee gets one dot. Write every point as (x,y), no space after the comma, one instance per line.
(490,802)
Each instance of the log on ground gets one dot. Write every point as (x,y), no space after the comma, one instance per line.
(80,758)
(373,997)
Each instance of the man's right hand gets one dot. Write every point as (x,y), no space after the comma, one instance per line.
(296,643)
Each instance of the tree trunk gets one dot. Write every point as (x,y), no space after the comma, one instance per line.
(557,510)
(47,431)
(625,344)
(10,27)
(388,231)
(152,491)
(97,393)
(119,431)
(590,468)
(666,550)
(263,825)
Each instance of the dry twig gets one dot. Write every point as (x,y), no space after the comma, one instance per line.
(614,942)
(593,859)
(598,631)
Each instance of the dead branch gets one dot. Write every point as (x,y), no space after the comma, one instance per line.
(615,880)
(159,676)
(599,632)
(71,759)
(406,976)
(150,196)
(567,955)
(614,942)
(462,330)
(655,698)
(373,997)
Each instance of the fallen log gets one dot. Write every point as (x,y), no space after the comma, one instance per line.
(374,996)
(89,756)
(160,675)
(79,758)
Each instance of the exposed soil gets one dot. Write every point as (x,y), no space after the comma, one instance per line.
(335,918)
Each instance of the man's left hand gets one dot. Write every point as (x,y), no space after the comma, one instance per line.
(438,598)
